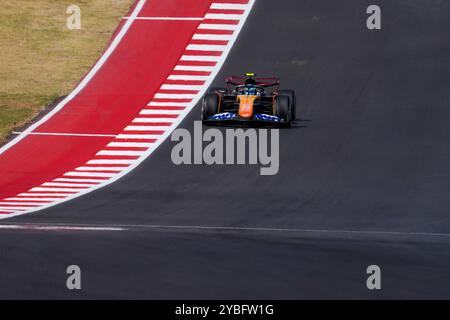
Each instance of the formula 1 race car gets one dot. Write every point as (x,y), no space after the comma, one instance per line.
(248,100)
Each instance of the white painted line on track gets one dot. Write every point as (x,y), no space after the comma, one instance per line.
(119,153)
(32,199)
(89,174)
(28,227)
(64,184)
(68,179)
(160,117)
(180,87)
(55,189)
(229,6)
(185,78)
(147,128)
(336,233)
(212,36)
(205,47)
(175,96)
(168,104)
(152,120)
(223,16)
(157,111)
(200,58)
(45,194)
(100,168)
(18,203)
(193,68)
(127,144)
(108,161)
(218,26)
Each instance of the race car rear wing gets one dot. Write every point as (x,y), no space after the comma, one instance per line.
(262,82)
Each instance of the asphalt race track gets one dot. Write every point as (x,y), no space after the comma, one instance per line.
(364,178)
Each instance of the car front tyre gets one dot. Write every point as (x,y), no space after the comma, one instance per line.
(282,108)
(210,105)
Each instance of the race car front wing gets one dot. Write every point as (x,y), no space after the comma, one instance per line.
(230,116)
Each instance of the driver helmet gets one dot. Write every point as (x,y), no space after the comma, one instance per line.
(250,81)
(250,90)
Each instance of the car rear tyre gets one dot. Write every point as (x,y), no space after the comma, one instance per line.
(293,102)
(283,110)
(210,105)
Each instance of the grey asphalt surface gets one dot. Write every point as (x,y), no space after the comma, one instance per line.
(370,154)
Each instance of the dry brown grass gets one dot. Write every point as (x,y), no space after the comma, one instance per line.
(40,59)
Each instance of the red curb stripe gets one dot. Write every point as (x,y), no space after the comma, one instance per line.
(221,21)
(210,42)
(214,31)
(225,11)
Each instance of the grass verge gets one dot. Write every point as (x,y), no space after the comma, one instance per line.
(41,59)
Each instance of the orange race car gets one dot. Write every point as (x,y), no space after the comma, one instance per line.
(248,100)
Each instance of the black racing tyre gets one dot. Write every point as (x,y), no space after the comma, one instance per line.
(210,105)
(293,101)
(282,108)
(217,90)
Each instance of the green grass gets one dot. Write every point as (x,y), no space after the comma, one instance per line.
(41,59)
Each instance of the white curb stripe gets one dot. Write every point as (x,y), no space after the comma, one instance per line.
(120,153)
(62,184)
(108,161)
(231,27)
(101,168)
(229,6)
(180,87)
(152,120)
(55,189)
(139,136)
(68,179)
(128,144)
(88,174)
(147,128)
(168,104)
(32,199)
(156,112)
(20,203)
(205,47)
(193,68)
(200,36)
(200,58)
(185,78)
(223,16)
(174,95)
